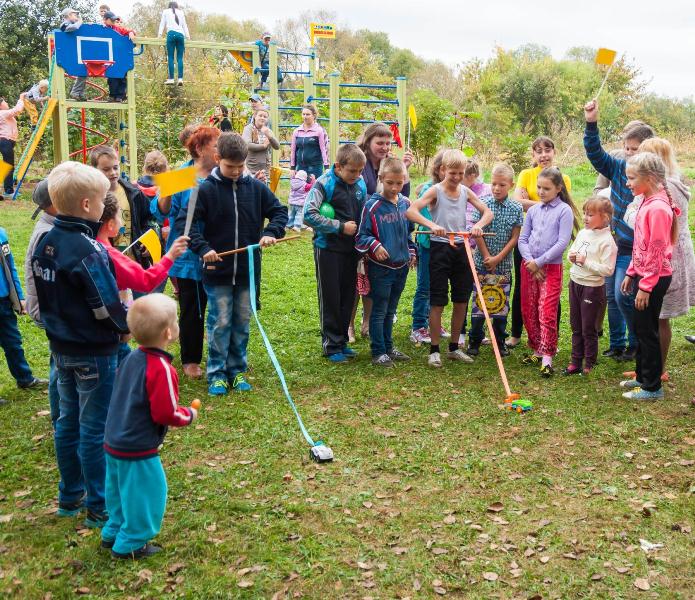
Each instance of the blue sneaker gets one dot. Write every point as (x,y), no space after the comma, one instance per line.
(96,518)
(640,394)
(349,352)
(240,384)
(219,387)
(70,509)
(338,357)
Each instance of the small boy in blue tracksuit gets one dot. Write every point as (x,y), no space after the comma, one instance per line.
(84,320)
(11,302)
(343,192)
(384,236)
(143,406)
(231,212)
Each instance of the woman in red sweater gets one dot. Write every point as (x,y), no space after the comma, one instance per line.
(656,230)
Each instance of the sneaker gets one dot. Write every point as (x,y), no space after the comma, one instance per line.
(337,357)
(630,384)
(192,370)
(398,356)
(473,350)
(169,82)
(571,370)
(513,342)
(690,338)
(180,82)
(459,355)
(434,360)
(615,353)
(462,339)
(297,229)
(240,384)
(640,394)
(586,372)
(486,342)
(70,509)
(444,333)
(383,360)
(219,387)
(144,552)
(628,355)
(96,518)
(547,371)
(531,359)
(504,351)
(349,352)
(34,383)
(107,544)
(420,336)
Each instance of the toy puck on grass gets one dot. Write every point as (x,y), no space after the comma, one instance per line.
(327,211)
(195,404)
(319,452)
(521,406)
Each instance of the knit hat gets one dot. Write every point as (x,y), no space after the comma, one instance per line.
(301,175)
(41,197)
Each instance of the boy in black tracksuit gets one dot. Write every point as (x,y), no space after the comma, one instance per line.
(231,210)
(343,188)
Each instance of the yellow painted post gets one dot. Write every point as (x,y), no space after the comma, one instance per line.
(334,114)
(132,153)
(256,62)
(274,99)
(402,110)
(61,143)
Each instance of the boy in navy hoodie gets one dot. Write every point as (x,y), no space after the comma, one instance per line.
(84,321)
(143,406)
(344,193)
(231,210)
(384,236)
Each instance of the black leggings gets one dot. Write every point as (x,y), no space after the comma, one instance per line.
(192,303)
(648,357)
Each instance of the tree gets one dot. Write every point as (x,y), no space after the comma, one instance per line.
(434,125)
(404,63)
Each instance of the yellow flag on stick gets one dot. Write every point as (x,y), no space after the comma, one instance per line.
(275,173)
(604,56)
(150,240)
(4,169)
(179,180)
(412,115)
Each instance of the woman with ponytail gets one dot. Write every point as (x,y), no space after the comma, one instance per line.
(656,231)
(174,21)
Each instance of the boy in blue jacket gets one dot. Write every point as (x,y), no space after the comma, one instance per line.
(384,236)
(11,302)
(335,256)
(231,211)
(84,321)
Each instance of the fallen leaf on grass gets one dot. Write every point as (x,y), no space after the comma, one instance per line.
(597,577)
(43,413)
(367,504)
(642,584)
(495,507)
(645,477)
(439,590)
(686,463)
(82,591)
(681,528)
(417,585)
(5,518)
(21,493)
(398,550)
(648,546)
(570,555)
(622,570)
(245,583)
(449,520)
(490,576)
(175,568)
(438,551)
(544,559)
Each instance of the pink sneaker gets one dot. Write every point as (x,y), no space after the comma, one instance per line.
(444,333)
(420,336)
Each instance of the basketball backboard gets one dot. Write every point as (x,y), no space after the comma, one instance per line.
(93,43)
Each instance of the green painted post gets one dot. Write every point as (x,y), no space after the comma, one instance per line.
(256,64)
(132,154)
(334,114)
(309,88)
(274,99)
(402,110)
(61,149)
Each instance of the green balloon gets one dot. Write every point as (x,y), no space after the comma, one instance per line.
(327,210)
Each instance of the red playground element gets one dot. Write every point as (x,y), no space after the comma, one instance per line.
(84,151)
(97,68)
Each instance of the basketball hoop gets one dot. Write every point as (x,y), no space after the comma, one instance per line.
(97,68)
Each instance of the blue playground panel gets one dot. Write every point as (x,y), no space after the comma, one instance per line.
(93,42)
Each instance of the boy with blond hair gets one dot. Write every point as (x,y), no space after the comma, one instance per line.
(144,406)
(84,321)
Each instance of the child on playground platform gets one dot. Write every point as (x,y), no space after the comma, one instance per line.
(493,258)
(545,235)
(384,236)
(72,22)
(650,271)
(231,210)
(592,255)
(143,407)
(84,321)
(36,96)
(300,184)
(118,86)
(342,190)
(447,203)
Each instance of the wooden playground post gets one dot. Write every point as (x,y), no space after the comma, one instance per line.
(334,114)
(402,110)
(273,99)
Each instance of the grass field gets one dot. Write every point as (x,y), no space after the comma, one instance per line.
(435,490)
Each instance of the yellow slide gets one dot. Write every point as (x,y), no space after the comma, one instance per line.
(46,114)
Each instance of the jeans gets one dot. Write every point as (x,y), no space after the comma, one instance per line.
(421,299)
(85,384)
(7,153)
(175,43)
(315,169)
(265,69)
(386,287)
(118,87)
(11,342)
(78,87)
(621,308)
(53,395)
(295,214)
(229,311)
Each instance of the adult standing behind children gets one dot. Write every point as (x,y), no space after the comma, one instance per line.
(526,193)
(134,204)
(8,139)
(84,321)
(309,145)
(259,139)
(220,118)
(188,268)
(232,210)
(174,21)
(333,210)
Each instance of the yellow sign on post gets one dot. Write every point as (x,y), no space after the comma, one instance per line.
(322,30)
(176,181)
(604,56)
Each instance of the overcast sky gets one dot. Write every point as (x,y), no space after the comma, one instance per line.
(657,35)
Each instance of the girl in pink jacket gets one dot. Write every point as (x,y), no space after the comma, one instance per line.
(656,229)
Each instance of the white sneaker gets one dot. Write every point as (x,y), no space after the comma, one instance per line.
(435,360)
(486,341)
(459,355)
(169,82)
(420,336)
(462,339)
(180,81)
